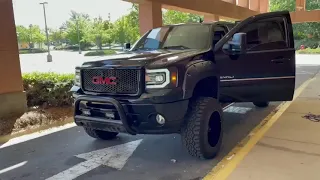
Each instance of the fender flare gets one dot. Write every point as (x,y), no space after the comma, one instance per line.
(196,72)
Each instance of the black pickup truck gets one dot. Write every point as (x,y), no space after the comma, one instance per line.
(175,77)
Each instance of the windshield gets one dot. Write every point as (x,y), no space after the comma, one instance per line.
(176,37)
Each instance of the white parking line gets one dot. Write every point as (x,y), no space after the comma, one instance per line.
(304,72)
(115,157)
(238,110)
(13,167)
(227,106)
(28,137)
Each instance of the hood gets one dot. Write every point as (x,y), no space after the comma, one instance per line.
(149,59)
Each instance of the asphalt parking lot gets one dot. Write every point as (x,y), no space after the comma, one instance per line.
(71,154)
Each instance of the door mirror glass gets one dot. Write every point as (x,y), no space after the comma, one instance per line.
(127,46)
(237,45)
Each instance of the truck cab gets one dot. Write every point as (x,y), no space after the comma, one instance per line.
(175,77)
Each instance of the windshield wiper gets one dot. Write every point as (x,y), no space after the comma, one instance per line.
(144,49)
(176,47)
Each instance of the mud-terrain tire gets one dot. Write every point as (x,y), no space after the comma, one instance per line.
(261,104)
(102,135)
(203,128)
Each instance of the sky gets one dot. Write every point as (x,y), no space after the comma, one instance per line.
(58,11)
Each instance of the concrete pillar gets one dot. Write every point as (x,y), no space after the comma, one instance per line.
(210,18)
(300,5)
(264,6)
(12,97)
(150,16)
(254,5)
(231,1)
(243,3)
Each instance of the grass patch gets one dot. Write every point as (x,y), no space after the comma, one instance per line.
(32,51)
(101,52)
(36,118)
(309,51)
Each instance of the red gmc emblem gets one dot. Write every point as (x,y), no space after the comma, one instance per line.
(102,80)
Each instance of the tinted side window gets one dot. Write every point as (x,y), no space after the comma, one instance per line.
(265,35)
(218,33)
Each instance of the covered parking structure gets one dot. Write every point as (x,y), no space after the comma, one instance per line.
(12,97)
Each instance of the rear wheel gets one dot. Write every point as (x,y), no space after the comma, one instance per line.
(261,104)
(102,135)
(202,131)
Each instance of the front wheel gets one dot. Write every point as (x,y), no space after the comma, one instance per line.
(102,135)
(261,104)
(203,129)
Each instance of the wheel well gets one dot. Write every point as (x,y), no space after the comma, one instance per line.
(207,87)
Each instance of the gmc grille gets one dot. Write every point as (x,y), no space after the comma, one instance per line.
(127,81)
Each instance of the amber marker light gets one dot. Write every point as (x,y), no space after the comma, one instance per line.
(174,78)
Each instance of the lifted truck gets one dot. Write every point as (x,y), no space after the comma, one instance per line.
(174,78)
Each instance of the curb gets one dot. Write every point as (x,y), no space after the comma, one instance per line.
(6,138)
(230,162)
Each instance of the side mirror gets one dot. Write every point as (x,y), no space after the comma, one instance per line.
(237,45)
(127,46)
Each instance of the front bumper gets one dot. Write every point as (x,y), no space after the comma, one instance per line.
(129,117)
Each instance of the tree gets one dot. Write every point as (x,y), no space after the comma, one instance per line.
(132,24)
(30,35)
(301,30)
(175,17)
(37,35)
(278,5)
(126,29)
(77,21)
(23,35)
(95,32)
(110,34)
(56,35)
(100,32)
(119,31)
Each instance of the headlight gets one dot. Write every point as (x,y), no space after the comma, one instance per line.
(77,80)
(159,78)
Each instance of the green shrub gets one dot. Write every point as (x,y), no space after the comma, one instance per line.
(309,51)
(59,48)
(84,47)
(94,53)
(72,47)
(101,52)
(32,51)
(48,89)
(308,43)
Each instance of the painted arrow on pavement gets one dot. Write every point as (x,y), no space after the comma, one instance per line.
(115,157)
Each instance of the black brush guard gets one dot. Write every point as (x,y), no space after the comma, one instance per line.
(123,118)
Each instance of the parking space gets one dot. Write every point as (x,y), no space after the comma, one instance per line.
(154,157)
(71,154)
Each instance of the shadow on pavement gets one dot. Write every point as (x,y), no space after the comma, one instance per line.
(237,128)
(54,153)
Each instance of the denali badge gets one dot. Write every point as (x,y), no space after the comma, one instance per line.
(106,80)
